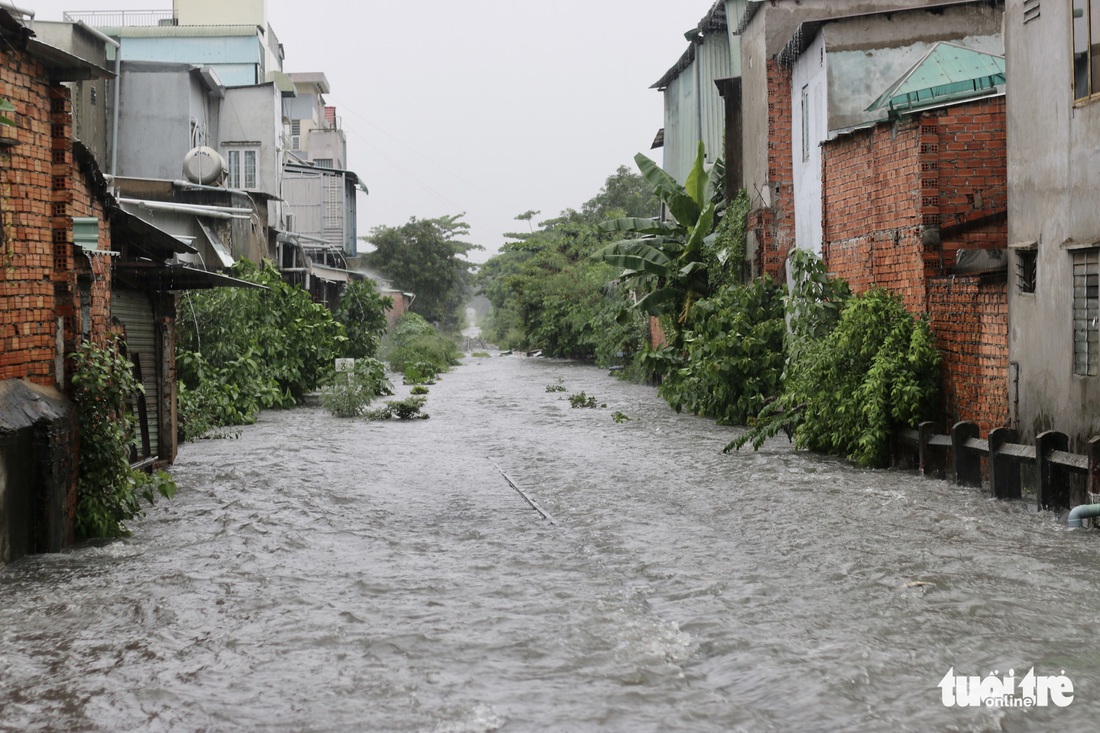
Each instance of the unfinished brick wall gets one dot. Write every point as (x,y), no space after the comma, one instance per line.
(970,320)
(27,309)
(971,186)
(872,210)
(774,226)
(899,200)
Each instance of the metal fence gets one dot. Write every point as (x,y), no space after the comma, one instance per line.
(122,18)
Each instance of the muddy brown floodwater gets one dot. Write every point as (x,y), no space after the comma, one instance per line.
(318,574)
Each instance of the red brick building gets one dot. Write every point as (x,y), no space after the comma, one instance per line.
(50,294)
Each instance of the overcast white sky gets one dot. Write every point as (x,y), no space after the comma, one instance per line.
(491,107)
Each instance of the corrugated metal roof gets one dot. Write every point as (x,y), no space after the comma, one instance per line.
(713,22)
(750,11)
(947,71)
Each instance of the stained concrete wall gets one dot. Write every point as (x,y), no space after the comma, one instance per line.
(164,111)
(251,117)
(868,54)
(1053,186)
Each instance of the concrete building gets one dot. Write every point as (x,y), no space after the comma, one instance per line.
(1053,57)
(840,67)
(232,37)
(318,185)
(766,28)
(210,74)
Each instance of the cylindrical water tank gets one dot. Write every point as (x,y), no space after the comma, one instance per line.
(204,165)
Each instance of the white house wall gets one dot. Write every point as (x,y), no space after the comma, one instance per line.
(810,127)
(251,117)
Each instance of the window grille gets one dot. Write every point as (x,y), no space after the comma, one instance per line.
(1086,312)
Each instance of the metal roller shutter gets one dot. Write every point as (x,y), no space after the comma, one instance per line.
(136,313)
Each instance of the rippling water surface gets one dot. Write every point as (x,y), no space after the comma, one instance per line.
(318,574)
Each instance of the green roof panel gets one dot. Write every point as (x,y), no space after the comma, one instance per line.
(947,72)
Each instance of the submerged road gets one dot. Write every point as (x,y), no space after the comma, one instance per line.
(318,574)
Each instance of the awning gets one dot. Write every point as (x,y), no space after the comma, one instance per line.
(331,274)
(980,261)
(63,66)
(147,238)
(164,278)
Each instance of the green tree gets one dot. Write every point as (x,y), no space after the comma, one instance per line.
(666,260)
(426,257)
(362,311)
(625,193)
(548,293)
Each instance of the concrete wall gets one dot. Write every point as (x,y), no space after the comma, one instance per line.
(165,110)
(237,59)
(1053,184)
(867,55)
(220,12)
(251,117)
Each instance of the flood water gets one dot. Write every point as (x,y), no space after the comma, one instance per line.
(318,574)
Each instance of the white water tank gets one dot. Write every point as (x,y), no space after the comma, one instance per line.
(204,165)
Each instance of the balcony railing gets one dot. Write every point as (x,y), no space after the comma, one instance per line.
(123,18)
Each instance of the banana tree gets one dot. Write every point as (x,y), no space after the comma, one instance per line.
(664,259)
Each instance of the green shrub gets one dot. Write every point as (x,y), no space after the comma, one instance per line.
(362,311)
(350,392)
(108,490)
(406,409)
(243,350)
(733,356)
(415,349)
(847,392)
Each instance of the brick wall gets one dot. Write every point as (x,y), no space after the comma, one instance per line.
(970,320)
(774,226)
(971,185)
(27,308)
(899,201)
(872,210)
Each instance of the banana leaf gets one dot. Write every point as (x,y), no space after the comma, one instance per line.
(697,185)
(699,232)
(658,302)
(5,108)
(682,206)
(636,225)
(639,255)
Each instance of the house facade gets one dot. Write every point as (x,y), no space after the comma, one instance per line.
(768,130)
(1054,226)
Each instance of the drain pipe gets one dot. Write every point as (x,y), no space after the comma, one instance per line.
(1078,513)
